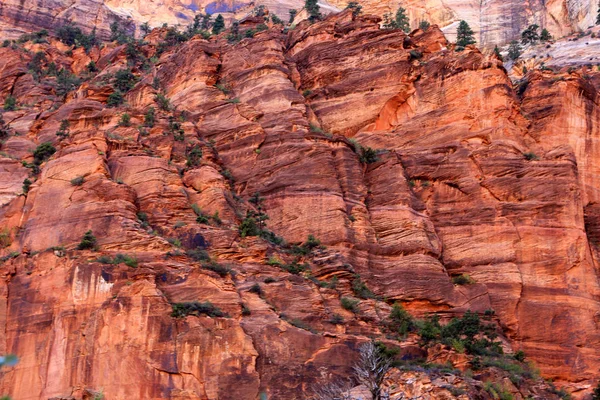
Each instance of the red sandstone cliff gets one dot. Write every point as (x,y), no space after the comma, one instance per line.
(472,177)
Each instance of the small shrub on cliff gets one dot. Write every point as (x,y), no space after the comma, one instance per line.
(26,186)
(463,279)
(88,242)
(249,227)
(182,310)
(4,128)
(5,240)
(163,102)
(194,157)
(350,304)
(43,152)
(218,268)
(545,36)
(150,118)
(531,156)
(400,320)
(115,99)
(361,290)
(424,25)
(78,181)
(10,103)
(124,80)
(66,82)
(125,120)
(63,130)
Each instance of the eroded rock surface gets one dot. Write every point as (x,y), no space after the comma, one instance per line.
(471,177)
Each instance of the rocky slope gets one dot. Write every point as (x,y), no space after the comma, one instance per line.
(473,178)
(495,21)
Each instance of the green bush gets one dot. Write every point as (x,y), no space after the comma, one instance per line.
(218,268)
(368,155)
(150,118)
(5,239)
(78,181)
(336,319)
(66,82)
(88,242)
(400,320)
(10,103)
(26,186)
(361,290)
(350,304)
(125,120)
(181,310)
(115,99)
(198,254)
(124,80)
(43,152)
(163,102)
(249,227)
(194,157)
(463,279)
(63,130)
(294,268)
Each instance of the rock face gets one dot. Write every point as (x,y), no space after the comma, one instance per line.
(494,21)
(471,177)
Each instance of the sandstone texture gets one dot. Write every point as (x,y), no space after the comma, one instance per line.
(494,21)
(472,176)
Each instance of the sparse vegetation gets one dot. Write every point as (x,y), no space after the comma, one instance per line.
(26,186)
(182,310)
(10,103)
(63,130)
(43,152)
(78,181)
(350,304)
(88,242)
(5,239)
(125,120)
(463,279)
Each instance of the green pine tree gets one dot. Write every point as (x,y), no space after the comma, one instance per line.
(219,25)
(402,21)
(313,10)
(464,35)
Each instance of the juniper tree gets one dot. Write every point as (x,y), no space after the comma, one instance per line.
(545,36)
(219,25)
(530,35)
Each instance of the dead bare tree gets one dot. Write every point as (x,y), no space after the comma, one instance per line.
(333,391)
(371,368)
